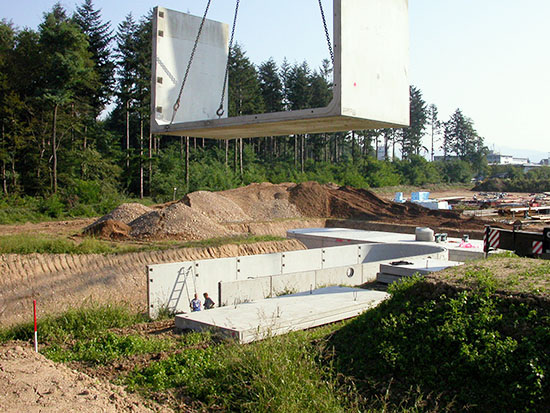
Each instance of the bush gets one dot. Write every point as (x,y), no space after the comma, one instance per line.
(469,348)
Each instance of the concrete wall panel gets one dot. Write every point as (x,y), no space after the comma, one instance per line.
(345,275)
(339,256)
(293,283)
(297,261)
(236,292)
(254,266)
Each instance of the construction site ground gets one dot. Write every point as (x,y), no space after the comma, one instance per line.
(62,281)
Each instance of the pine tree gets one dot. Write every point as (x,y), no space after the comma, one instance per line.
(99,35)
(299,87)
(412,136)
(271,86)
(244,88)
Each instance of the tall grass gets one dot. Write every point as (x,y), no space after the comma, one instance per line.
(281,374)
(75,324)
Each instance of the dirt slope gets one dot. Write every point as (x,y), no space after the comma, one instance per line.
(61,281)
(315,200)
(32,383)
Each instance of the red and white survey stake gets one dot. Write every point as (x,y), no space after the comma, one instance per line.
(35,329)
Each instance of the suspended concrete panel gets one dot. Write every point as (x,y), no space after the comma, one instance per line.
(371,84)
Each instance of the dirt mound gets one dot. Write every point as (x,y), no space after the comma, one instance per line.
(177,221)
(32,383)
(125,213)
(315,200)
(264,201)
(115,230)
(216,206)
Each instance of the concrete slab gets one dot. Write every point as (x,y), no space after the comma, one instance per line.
(422,267)
(261,319)
(370,78)
(327,237)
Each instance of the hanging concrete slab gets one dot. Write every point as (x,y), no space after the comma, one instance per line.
(371,84)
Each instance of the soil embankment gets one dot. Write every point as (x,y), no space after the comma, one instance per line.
(32,383)
(61,281)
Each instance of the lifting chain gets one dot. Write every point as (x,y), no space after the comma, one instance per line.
(220,110)
(326,32)
(177,104)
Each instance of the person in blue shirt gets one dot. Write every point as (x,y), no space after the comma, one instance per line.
(195,303)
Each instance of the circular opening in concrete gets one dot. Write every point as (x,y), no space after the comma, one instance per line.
(350,272)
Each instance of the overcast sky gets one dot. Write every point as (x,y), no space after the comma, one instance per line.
(490,58)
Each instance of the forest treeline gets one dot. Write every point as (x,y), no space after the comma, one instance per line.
(75,104)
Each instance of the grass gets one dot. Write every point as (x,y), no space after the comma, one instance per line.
(75,324)
(504,274)
(43,244)
(106,347)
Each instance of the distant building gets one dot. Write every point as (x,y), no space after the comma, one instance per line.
(494,158)
(438,158)
(545,162)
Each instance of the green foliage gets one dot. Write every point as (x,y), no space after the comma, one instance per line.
(468,347)
(106,347)
(75,324)
(281,374)
(511,178)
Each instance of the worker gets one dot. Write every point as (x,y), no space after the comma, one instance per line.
(195,304)
(208,302)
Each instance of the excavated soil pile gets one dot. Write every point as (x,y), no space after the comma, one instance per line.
(265,201)
(329,201)
(216,206)
(32,383)
(205,214)
(177,221)
(111,229)
(125,214)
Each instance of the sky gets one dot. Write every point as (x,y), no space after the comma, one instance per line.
(490,58)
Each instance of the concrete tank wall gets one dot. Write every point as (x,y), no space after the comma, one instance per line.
(172,286)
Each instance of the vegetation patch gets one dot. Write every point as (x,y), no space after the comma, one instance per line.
(44,244)
(469,350)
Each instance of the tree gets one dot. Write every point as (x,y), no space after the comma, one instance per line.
(298,87)
(245,95)
(99,36)
(126,50)
(271,86)
(412,136)
(68,75)
(460,136)
(435,126)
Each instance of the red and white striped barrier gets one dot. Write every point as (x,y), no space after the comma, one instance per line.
(491,239)
(35,327)
(537,247)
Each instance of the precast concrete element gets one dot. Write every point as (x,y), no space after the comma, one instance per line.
(172,286)
(349,270)
(390,273)
(173,40)
(261,319)
(371,81)
(327,237)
